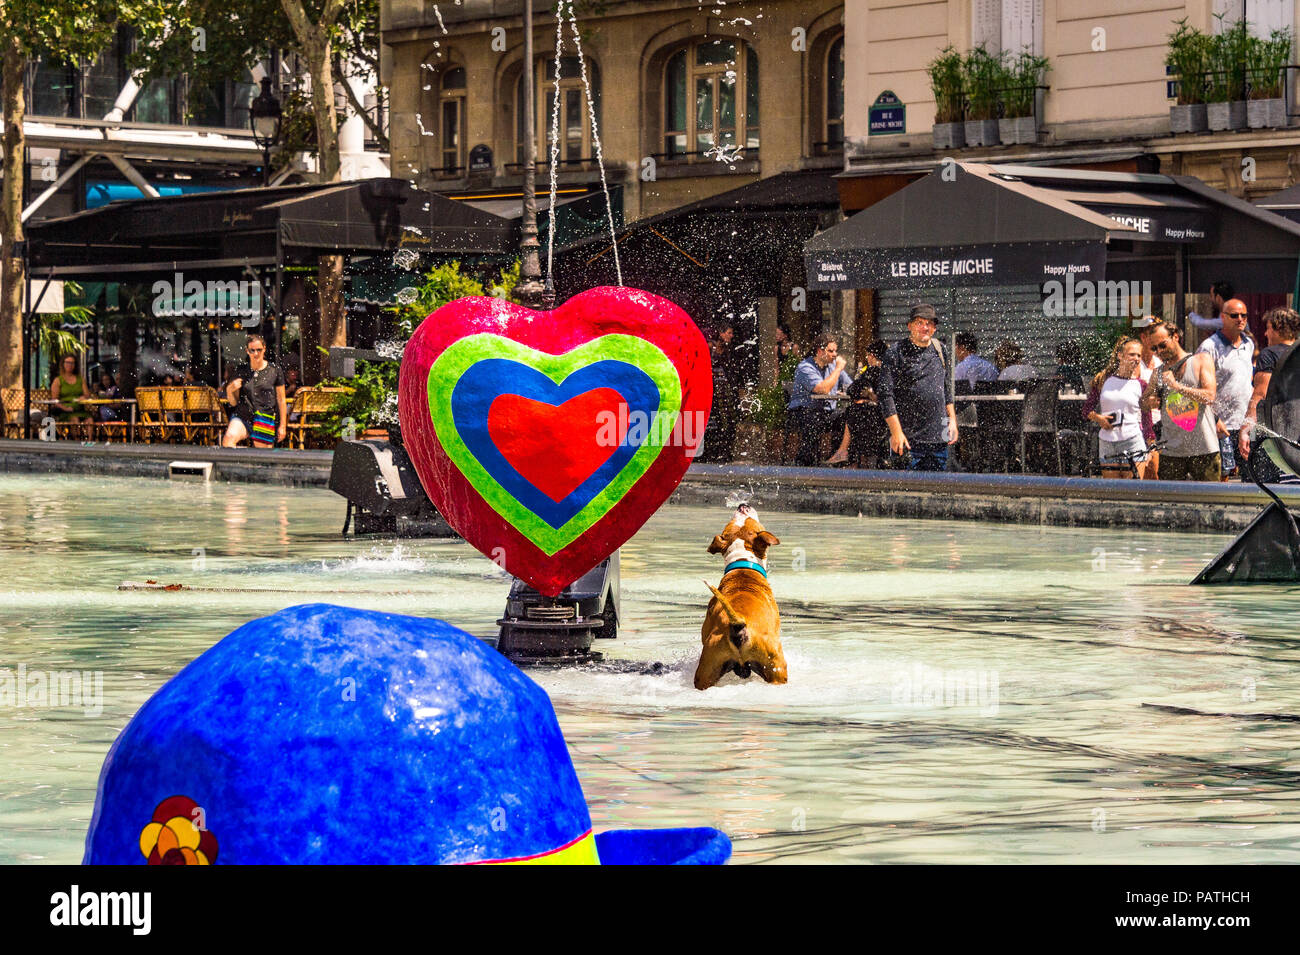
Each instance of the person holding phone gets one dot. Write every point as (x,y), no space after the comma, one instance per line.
(1114,404)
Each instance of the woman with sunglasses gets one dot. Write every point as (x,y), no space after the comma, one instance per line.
(257,394)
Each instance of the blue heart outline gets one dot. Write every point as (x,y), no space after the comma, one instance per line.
(486,380)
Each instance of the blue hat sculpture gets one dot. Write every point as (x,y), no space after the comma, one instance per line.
(324,734)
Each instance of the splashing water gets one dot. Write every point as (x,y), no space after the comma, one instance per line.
(407,295)
(406,258)
(390,349)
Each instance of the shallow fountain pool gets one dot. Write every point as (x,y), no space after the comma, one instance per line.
(959,692)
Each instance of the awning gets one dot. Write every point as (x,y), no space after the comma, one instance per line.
(964,225)
(970,225)
(229,230)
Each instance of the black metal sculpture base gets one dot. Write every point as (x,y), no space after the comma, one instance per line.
(556,631)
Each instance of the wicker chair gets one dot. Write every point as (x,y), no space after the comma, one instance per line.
(151,423)
(11,412)
(309,404)
(205,417)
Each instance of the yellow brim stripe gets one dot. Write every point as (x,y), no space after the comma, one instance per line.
(581,851)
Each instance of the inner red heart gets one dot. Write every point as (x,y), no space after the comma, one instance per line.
(557,447)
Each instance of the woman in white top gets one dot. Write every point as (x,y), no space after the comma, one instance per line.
(1114,404)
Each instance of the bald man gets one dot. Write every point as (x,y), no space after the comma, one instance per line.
(1233,352)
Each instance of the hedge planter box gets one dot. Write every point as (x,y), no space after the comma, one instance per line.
(949,135)
(1018,129)
(1220,116)
(981,132)
(1266,113)
(1188,119)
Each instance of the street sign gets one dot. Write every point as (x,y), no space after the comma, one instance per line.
(887,115)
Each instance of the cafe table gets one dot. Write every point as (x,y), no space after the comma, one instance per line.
(96,402)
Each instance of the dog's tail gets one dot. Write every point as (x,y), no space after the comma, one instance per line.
(735,619)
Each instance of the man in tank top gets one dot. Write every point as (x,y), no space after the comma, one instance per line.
(1184,390)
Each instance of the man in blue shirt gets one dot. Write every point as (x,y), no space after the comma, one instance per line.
(971,365)
(916,395)
(822,373)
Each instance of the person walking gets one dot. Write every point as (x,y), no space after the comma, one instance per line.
(821,373)
(915,395)
(1233,352)
(1184,391)
(257,395)
(1114,404)
(1281,329)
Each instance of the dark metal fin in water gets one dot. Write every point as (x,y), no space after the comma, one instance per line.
(1268,551)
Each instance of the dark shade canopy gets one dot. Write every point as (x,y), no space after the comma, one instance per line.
(224,230)
(1024,224)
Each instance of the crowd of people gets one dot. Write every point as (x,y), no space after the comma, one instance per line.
(1161,411)
(256,390)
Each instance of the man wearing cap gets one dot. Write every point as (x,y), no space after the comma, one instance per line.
(1233,352)
(915,395)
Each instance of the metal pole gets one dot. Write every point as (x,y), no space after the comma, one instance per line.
(27,349)
(529,288)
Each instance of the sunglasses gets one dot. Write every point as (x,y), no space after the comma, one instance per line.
(1235,314)
(255,351)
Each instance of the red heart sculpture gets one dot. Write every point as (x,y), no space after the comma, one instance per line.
(547,439)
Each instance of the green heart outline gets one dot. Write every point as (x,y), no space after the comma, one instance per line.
(458,357)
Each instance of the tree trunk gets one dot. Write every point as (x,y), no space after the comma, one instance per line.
(11,211)
(314,40)
(333,314)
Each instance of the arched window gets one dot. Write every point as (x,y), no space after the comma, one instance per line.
(834,120)
(575,125)
(711,98)
(451,125)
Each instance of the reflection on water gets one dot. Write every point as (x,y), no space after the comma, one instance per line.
(958,691)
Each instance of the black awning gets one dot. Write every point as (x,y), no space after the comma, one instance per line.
(1031,224)
(962,225)
(223,230)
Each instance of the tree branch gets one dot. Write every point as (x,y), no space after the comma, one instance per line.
(371,124)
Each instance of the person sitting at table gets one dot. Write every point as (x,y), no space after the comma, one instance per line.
(1068,359)
(1010,359)
(971,365)
(67,389)
(1113,404)
(107,388)
(865,435)
(291,385)
(811,414)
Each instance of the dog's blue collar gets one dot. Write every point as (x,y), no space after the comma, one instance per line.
(737,564)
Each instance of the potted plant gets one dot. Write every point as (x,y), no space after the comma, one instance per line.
(1227,85)
(946,84)
(1022,78)
(1188,61)
(982,75)
(1266,62)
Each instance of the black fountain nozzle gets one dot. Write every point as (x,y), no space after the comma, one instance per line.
(541,630)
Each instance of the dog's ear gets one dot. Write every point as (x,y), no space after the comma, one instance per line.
(718,545)
(762,541)
(739,635)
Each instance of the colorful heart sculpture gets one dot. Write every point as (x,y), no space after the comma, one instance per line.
(548,438)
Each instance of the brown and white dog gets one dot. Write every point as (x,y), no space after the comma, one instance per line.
(742,626)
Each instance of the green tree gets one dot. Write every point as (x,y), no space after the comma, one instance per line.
(62,30)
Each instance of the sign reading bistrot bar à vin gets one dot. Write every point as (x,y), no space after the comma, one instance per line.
(956,266)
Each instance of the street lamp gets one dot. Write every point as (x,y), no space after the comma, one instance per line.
(264,117)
